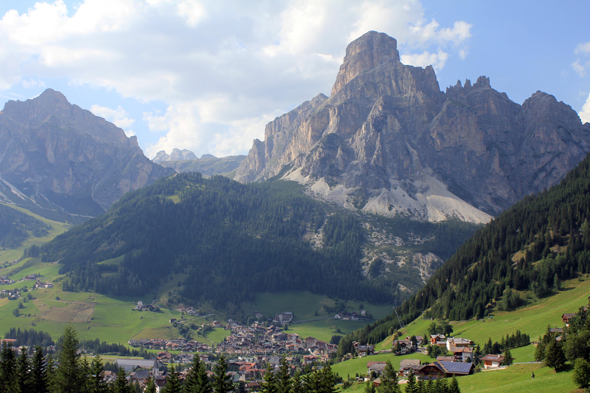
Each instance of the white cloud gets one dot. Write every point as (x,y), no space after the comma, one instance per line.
(192,11)
(437,60)
(585,112)
(221,68)
(582,63)
(118,116)
(33,84)
(582,48)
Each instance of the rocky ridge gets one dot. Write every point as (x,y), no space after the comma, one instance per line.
(63,162)
(389,141)
(208,165)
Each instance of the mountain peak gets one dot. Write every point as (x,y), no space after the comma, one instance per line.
(367,52)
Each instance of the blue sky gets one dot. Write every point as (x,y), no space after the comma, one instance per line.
(208,75)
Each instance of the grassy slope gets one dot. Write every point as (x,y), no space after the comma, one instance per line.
(516,378)
(113,320)
(56,229)
(532,319)
(305,306)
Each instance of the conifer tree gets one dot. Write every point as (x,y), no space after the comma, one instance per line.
(369,387)
(121,384)
(39,376)
(269,384)
(97,379)
(150,386)
(454,386)
(221,381)
(389,383)
(554,355)
(582,373)
(411,386)
(67,376)
(327,380)
(173,384)
(297,384)
(8,367)
(196,380)
(23,374)
(283,377)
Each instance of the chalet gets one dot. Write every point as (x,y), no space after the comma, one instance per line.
(462,354)
(445,358)
(438,339)
(216,324)
(556,330)
(457,342)
(566,318)
(492,361)
(408,364)
(376,367)
(444,370)
(310,341)
(284,318)
(405,346)
(365,350)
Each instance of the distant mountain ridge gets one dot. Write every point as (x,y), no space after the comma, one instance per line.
(208,165)
(388,141)
(65,163)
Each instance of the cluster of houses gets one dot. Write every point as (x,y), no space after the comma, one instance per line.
(259,340)
(146,307)
(178,344)
(353,316)
(6,281)
(434,370)
(247,370)
(253,340)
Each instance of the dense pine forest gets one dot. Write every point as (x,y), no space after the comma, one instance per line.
(532,246)
(226,240)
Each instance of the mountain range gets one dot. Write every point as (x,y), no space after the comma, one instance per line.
(64,163)
(389,141)
(208,165)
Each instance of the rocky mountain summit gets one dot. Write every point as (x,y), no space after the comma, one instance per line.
(63,162)
(177,155)
(389,141)
(208,165)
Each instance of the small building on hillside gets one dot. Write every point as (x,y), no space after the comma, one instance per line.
(566,317)
(492,361)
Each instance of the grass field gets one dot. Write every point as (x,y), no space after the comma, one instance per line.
(516,378)
(532,320)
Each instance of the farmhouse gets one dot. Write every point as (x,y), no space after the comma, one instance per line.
(566,318)
(408,364)
(492,361)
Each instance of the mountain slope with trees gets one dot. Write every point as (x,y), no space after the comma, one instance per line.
(227,240)
(532,247)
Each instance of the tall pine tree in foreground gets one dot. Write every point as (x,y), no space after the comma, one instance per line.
(68,376)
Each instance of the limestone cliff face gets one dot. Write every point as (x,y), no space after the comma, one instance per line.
(388,141)
(57,156)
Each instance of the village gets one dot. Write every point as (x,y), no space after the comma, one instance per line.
(15,293)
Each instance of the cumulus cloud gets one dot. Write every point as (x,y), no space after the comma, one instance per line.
(582,63)
(222,68)
(437,60)
(118,116)
(585,112)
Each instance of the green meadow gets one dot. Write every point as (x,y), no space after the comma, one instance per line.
(532,319)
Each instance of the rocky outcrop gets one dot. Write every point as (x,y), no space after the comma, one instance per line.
(388,141)
(177,155)
(208,165)
(57,157)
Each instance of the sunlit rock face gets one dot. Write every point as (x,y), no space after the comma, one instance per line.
(389,141)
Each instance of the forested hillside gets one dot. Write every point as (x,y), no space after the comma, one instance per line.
(225,240)
(16,227)
(532,246)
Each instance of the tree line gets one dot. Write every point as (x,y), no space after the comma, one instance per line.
(70,372)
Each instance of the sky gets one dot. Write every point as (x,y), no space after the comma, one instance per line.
(209,75)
